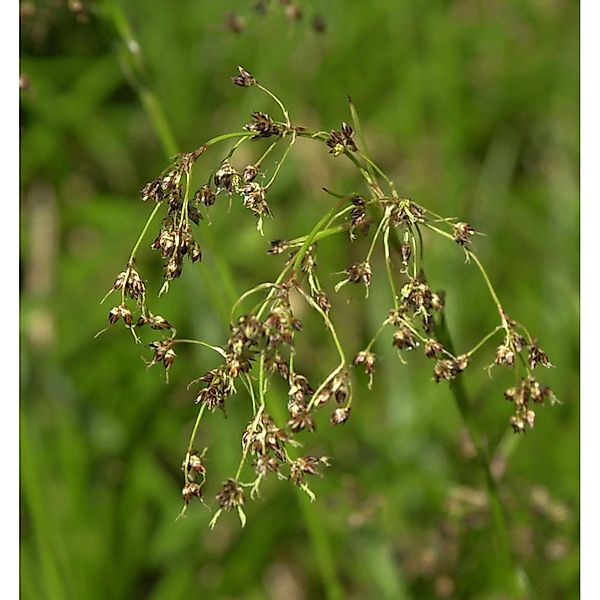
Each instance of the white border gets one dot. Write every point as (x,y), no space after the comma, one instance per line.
(9,309)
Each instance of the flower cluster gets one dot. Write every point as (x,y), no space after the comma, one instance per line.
(262,344)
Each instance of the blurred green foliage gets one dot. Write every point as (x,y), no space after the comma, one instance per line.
(472,108)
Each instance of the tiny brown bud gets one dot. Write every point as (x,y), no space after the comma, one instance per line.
(195,252)
(367,359)
(433,348)
(339,416)
(189,491)
(250,173)
(462,232)
(244,79)
(114,315)
(195,464)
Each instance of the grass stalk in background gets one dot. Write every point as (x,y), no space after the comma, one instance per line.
(518,582)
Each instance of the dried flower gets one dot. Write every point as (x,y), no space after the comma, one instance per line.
(462,232)
(250,173)
(300,417)
(339,416)
(537,356)
(191,490)
(226,177)
(120,312)
(433,348)
(244,79)
(449,369)
(263,126)
(504,356)
(367,359)
(404,339)
(356,273)
(231,495)
(340,141)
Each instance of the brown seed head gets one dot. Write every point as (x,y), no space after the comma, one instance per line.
(191,490)
(462,232)
(231,495)
(339,416)
(244,79)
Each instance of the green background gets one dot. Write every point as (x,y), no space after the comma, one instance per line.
(472,108)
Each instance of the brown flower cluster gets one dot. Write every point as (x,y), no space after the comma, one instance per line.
(261,344)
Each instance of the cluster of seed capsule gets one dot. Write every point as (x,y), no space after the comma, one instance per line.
(268,334)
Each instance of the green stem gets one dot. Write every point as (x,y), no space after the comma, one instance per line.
(133,55)
(310,238)
(324,233)
(490,335)
(487,281)
(516,577)
(281,106)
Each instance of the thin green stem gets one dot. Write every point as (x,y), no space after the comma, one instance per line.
(490,335)
(382,224)
(488,282)
(266,153)
(516,578)
(248,293)
(310,238)
(252,426)
(200,343)
(388,266)
(274,97)
(280,163)
(324,233)
(144,231)
(482,270)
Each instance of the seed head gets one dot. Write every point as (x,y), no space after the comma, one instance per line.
(339,416)
(301,417)
(205,195)
(195,464)
(226,178)
(404,339)
(504,356)
(340,141)
(191,490)
(462,232)
(277,247)
(357,273)
(231,495)
(536,356)
(433,348)
(518,424)
(322,301)
(163,352)
(244,79)
(306,465)
(250,173)
(120,312)
(367,359)
(449,369)
(263,126)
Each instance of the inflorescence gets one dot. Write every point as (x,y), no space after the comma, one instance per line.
(261,344)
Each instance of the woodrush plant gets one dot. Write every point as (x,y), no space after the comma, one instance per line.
(262,341)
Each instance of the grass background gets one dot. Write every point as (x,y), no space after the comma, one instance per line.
(472,109)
